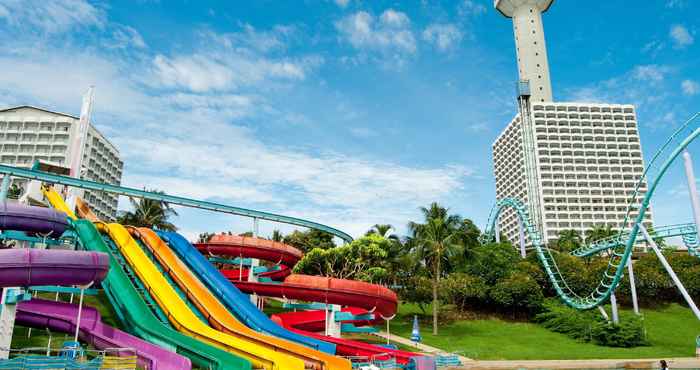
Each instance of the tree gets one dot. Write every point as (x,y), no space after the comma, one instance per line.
(363,259)
(204,237)
(310,239)
(383,230)
(149,213)
(277,236)
(568,240)
(14,192)
(469,238)
(518,291)
(598,232)
(437,238)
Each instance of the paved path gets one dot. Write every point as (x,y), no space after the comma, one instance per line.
(419,346)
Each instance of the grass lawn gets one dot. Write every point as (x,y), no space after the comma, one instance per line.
(671,331)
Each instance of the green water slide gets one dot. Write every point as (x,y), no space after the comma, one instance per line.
(140,314)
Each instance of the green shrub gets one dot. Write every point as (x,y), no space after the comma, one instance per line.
(463,290)
(493,261)
(588,326)
(562,319)
(517,292)
(628,333)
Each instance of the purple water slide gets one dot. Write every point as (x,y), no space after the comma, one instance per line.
(24,267)
(61,317)
(16,216)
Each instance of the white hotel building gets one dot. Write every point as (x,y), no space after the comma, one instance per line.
(575,165)
(28,134)
(587,162)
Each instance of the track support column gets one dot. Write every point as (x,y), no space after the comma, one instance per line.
(692,189)
(633,286)
(615,314)
(254,262)
(521,234)
(5,187)
(497,230)
(670,271)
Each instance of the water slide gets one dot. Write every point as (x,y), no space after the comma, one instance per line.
(20,217)
(359,294)
(218,315)
(26,267)
(183,317)
(128,300)
(237,302)
(61,317)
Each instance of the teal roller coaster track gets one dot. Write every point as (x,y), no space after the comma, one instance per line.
(620,246)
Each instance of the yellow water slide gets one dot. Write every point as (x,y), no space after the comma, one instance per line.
(182,317)
(217,314)
(56,201)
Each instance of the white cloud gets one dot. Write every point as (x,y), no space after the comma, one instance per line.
(690,87)
(342,3)
(389,34)
(650,72)
(470,8)
(653,47)
(680,4)
(443,36)
(50,16)
(393,18)
(194,72)
(226,68)
(125,36)
(680,36)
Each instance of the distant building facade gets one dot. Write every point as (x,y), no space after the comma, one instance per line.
(29,133)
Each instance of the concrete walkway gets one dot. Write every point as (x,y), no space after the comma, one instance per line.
(420,347)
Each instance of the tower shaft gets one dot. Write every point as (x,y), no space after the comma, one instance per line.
(530,45)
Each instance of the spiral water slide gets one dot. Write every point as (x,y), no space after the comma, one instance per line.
(370,297)
(135,306)
(27,267)
(622,246)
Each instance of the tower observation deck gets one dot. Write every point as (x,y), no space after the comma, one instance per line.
(529,44)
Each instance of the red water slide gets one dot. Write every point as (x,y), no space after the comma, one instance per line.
(368,297)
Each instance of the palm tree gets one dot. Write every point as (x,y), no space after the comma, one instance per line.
(437,239)
(277,236)
(568,240)
(598,232)
(14,191)
(149,213)
(383,231)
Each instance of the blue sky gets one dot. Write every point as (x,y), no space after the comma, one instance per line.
(346,112)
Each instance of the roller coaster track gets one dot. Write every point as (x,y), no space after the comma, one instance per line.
(620,252)
(687,232)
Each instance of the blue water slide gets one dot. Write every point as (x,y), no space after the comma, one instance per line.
(234,299)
